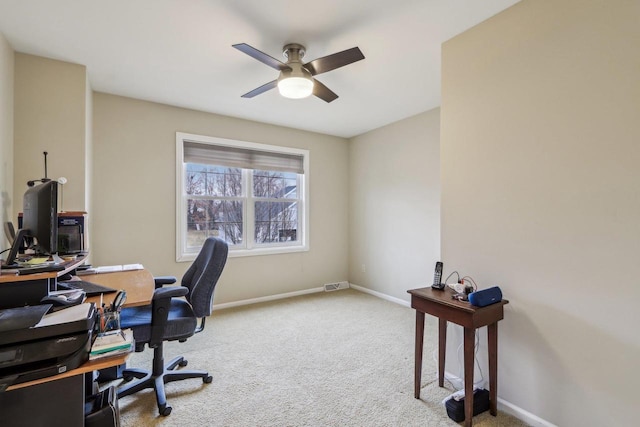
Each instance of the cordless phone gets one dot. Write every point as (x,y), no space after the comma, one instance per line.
(437,277)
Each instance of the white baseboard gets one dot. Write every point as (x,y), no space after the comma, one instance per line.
(267,298)
(380,295)
(526,416)
(508,407)
(305,292)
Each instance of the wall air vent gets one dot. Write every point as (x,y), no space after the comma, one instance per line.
(336,286)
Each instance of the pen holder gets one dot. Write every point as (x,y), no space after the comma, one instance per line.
(109,320)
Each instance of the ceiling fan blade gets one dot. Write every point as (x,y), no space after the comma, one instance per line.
(261,56)
(257,91)
(331,62)
(323,92)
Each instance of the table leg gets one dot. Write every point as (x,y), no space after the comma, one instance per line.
(442,349)
(469,344)
(492,339)
(418,359)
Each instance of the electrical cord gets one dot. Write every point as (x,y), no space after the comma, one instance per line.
(476,346)
(449,276)
(461,280)
(475,357)
(434,356)
(473,282)
(478,382)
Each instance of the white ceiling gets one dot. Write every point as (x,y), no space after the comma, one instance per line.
(179,52)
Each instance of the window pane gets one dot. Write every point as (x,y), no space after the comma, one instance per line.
(206,180)
(220,218)
(275,185)
(276,222)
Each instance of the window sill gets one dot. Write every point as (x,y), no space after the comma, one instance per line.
(236,253)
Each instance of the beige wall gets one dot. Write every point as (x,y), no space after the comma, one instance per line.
(50,115)
(133,209)
(394,205)
(540,155)
(6,136)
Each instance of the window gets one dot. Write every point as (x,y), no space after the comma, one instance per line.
(251,195)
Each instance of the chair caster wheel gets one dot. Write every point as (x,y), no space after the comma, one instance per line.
(183,363)
(127,378)
(165,410)
(207,379)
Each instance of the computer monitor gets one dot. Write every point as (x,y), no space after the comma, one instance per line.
(39,221)
(40,216)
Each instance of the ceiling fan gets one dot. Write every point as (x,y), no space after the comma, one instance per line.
(296,79)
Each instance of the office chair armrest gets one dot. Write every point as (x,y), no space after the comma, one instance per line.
(164,280)
(169,292)
(160,306)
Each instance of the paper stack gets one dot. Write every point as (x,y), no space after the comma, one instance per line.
(111,269)
(112,343)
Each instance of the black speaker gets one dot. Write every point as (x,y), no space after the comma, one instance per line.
(485,297)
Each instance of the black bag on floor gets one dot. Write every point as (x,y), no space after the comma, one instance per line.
(455,408)
(101,409)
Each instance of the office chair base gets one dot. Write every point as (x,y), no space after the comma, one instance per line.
(157,381)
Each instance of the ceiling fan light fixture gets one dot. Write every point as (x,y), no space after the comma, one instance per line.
(295,87)
(296,79)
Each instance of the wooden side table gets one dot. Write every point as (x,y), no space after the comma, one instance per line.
(440,303)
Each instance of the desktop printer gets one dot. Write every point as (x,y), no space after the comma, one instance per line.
(35,345)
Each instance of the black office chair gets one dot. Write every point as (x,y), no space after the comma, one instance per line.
(171,318)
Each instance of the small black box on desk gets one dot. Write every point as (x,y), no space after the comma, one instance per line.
(455,408)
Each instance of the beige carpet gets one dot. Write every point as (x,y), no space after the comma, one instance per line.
(341,358)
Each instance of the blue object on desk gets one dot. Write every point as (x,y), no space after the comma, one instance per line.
(485,297)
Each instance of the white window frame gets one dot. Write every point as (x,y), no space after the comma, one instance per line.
(252,248)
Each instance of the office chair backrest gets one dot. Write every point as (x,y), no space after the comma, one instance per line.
(202,276)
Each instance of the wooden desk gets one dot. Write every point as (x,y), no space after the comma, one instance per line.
(29,289)
(7,276)
(440,304)
(139,285)
(59,391)
(90,366)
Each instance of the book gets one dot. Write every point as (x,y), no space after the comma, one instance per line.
(112,342)
(108,268)
(109,354)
